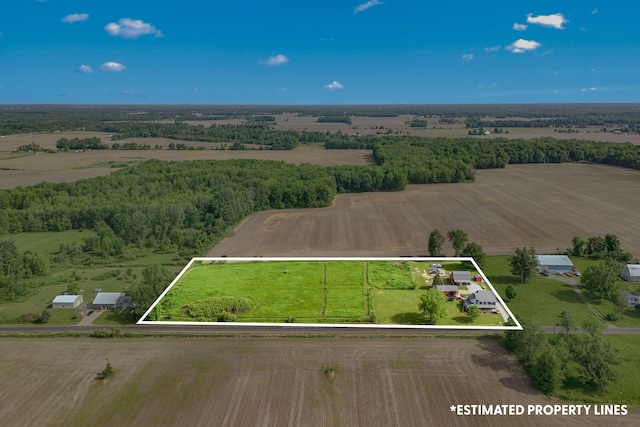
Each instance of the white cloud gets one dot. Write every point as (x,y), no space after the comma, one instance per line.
(590,89)
(334,85)
(364,6)
(468,57)
(557,20)
(85,69)
(276,60)
(75,17)
(595,11)
(522,46)
(492,48)
(520,27)
(593,70)
(131,28)
(112,66)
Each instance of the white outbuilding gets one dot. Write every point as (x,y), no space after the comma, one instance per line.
(67,301)
(631,273)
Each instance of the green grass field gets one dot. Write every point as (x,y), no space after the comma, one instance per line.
(314,292)
(540,298)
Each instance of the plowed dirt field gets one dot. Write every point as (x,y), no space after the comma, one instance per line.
(542,205)
(266,382)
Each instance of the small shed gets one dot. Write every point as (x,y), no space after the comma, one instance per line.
(560,263)
(67,301)
(106,300)
(631,273)
(460,278)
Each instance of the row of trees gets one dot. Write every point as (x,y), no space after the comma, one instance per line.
(597,247)
(459,241)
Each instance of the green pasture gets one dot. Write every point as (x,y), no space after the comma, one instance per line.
(314,292)
(540,298)
(48,241)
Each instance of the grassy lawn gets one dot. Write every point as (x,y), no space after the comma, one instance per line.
(47,242)
(345,285)
(295,289)
(280,289)
(541,299)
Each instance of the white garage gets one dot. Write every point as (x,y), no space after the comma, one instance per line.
(67,301)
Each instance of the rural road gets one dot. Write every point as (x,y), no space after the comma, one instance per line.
(238,329)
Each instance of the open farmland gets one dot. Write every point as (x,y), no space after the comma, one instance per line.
(22,169)
(364,125)
(266,381)
(542,205)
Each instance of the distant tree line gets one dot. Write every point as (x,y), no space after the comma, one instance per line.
(334,119)
(92,143)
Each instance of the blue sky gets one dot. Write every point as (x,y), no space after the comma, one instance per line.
(319,52)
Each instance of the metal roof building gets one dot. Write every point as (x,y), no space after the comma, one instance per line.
(560,263)
(67,301)
(106,300)
(631,273)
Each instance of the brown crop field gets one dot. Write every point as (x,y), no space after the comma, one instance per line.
(542,206)
(266,382)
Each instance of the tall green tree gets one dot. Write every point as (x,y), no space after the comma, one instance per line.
(524,263)
(473,312)
(433,305)
(476,252)
(458,240)
(155,279)
(602,278)
(436,240)
(547,370)
(566,322)
(596,357)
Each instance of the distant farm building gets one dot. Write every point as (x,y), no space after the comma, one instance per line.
(631,273)
(485,300)
(67,301)
(460,278)
(631,298)
(559,263)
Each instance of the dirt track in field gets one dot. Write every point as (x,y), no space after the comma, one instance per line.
(542,206)
(265,381)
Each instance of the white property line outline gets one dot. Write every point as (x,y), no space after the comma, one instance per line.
(518,326)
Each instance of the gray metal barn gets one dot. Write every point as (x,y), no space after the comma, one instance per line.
(560,263)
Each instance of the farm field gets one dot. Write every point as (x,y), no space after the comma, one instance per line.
(305,291)
(267,381)
(22,169)
(364,125)
(541,205)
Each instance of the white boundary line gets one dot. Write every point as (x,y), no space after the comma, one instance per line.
(518,327)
